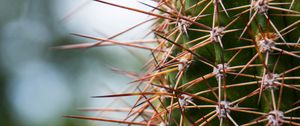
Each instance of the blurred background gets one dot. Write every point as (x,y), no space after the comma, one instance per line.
(39,86)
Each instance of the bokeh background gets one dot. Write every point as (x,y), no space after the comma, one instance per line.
(39,86)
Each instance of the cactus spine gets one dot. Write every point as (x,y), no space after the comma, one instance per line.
(218,62)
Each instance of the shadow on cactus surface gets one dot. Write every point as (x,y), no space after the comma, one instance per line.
(215,62)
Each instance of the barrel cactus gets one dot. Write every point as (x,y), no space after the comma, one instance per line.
(216,62)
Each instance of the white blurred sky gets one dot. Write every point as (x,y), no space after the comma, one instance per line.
(90,17)
(37,88)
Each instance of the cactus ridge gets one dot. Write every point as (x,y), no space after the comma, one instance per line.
(216,62)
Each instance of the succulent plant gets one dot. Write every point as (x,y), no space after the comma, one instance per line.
(216,62)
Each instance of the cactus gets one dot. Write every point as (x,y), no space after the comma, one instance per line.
(216,62)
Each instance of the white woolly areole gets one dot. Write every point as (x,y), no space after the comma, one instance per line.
(162,124)
(216,34)
(223,109)
(266,45)
(270,80)
(275,118)
(163,90)
(183,25)
(219,70)
(184,100)
(261,6)
(183,63)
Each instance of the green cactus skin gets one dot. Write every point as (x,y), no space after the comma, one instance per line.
(189,83)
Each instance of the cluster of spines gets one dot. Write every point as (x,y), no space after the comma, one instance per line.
(173,95)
